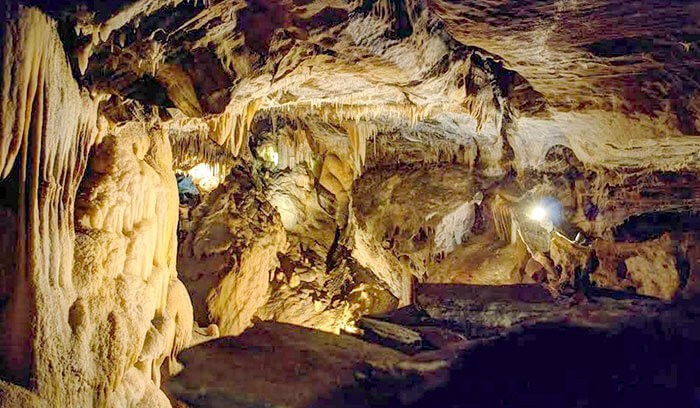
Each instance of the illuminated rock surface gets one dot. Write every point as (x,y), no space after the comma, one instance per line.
(542,343)
(349,159)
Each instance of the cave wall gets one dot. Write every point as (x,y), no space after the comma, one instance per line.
(48,126)
(371,144)
(230,253)
(278,230)
(88,317)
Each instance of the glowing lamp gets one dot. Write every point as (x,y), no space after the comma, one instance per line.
(538,213)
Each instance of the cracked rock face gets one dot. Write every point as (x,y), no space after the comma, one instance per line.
(342,153)
(230,253)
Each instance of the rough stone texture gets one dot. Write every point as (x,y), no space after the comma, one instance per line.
(692,258)
(93,288)
(48,126)
(600,55)
(314,369)
(571,261)
(649,267)
(417,214)
(12,396)
(230,253)
(397,141)
(480,309)
(576,75)
(225,372)
(390,335)
(126,215)
(84,323)
(482,260)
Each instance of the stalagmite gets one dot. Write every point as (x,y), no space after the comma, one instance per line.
(126,233)
(48,127)
(179,308)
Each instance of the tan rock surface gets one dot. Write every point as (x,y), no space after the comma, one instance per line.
(648,268)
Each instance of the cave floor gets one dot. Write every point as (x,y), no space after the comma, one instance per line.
(463,346)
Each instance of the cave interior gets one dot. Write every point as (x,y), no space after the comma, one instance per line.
(350,203)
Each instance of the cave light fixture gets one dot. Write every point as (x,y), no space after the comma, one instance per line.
(538,213)
(547,212)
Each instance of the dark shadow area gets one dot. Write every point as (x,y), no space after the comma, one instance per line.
(647,226)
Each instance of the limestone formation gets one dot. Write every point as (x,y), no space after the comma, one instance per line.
(473,175)
(230,254)
(648,268)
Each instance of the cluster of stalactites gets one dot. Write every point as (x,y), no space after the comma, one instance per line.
(191,148)
(230,129)
(481,106)
(502,211)
(48,125)
(360,122)
(483,97)
(358,133)
(406,147)
(341,112)
(293,147)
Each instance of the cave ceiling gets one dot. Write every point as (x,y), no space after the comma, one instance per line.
(616,82)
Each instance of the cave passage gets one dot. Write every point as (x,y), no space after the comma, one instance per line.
(377,203)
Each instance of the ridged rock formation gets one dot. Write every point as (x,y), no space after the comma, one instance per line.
(338,159)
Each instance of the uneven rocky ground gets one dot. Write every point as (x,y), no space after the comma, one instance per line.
(172,171)
(462,346)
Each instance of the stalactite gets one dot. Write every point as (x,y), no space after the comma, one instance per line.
(482,99)
(454,228)
(395,148)
(481,107)
(192,147)
(353,110)
(293,147)
(358,133)
(231,127)
(503,218)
